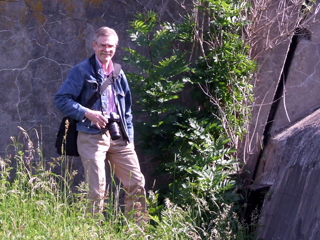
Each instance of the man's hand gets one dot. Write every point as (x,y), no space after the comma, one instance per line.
(97,118)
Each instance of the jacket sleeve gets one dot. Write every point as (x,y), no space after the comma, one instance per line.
(65,98)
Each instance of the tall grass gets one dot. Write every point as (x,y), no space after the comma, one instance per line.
(39,202)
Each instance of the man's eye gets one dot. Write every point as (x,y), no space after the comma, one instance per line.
(104,46)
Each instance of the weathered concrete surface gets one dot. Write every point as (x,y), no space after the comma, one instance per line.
(291,165)
(301,92)
(270,45)
(40,41)
(283,148)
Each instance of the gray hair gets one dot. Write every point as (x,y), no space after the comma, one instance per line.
(105,31)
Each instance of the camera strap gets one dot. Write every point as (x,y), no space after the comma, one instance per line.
(111,78)
(101,88)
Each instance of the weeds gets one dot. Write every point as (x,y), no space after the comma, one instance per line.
(37,202)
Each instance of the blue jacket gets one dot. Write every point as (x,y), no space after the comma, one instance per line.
(80,85)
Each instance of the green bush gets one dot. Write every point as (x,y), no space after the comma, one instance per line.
(205,58)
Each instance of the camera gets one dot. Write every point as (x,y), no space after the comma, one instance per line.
(113,126)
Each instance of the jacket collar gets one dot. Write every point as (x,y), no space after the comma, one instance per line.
(97,71)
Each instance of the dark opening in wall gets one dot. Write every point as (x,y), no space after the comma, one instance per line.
(302,34)
(255,199)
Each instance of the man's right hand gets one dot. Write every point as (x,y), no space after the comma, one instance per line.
(97,118)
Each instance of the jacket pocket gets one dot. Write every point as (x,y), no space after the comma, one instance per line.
(90,87)
(91,84)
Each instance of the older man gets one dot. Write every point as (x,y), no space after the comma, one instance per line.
(95,145)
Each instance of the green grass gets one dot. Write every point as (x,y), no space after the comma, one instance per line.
(39,202)
(36,202)
(41,205)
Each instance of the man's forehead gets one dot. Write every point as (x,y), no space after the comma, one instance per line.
(110,39)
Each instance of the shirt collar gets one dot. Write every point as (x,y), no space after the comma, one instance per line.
(109,68)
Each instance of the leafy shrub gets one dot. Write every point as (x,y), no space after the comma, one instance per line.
(195,143)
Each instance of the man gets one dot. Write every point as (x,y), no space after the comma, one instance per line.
(95,145)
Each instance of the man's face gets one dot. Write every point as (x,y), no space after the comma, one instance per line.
(105,48)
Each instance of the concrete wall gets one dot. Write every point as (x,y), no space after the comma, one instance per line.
(282,150)
(40,41)
(270,43)
(290,168)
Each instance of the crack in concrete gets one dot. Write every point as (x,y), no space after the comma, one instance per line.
(18,97)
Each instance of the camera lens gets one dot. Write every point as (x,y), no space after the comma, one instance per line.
(114,130)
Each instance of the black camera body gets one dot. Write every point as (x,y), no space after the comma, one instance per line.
(113,126)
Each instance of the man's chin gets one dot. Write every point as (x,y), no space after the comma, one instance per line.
(105,59)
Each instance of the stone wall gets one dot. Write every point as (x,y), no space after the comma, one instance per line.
(40,41)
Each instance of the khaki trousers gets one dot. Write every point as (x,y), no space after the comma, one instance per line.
(95,150)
